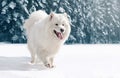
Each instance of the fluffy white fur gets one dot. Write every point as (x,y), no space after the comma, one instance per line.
(46,33)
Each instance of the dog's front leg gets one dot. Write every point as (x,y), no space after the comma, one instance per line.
(51,59)
(48,62)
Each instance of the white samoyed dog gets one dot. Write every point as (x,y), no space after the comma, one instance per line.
(45,34)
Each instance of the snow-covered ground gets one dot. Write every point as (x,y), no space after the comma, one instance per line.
(73,61)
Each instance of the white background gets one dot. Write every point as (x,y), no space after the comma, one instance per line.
(72,61)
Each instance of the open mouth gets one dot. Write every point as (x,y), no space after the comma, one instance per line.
(58,34)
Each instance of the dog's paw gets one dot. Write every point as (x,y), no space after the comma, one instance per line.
(49,66)
(32,62)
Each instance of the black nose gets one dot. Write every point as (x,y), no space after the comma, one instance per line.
(62,30)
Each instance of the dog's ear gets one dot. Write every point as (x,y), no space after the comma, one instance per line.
(52,15)
(67,16)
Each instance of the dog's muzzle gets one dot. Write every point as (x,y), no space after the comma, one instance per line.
(59,34)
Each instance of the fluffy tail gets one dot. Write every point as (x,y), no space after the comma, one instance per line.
(34,17)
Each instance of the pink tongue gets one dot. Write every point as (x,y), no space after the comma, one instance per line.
(60,36)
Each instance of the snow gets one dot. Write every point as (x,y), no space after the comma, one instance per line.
(3,3)
(61,9)
(73,61)
(12,5)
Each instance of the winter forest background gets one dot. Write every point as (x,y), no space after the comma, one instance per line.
(92,21)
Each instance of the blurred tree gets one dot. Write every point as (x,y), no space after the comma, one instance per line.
(92,21)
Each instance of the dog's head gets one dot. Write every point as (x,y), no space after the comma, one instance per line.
(59,25)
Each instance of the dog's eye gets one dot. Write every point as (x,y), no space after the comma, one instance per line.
(56,24)
(62,24)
